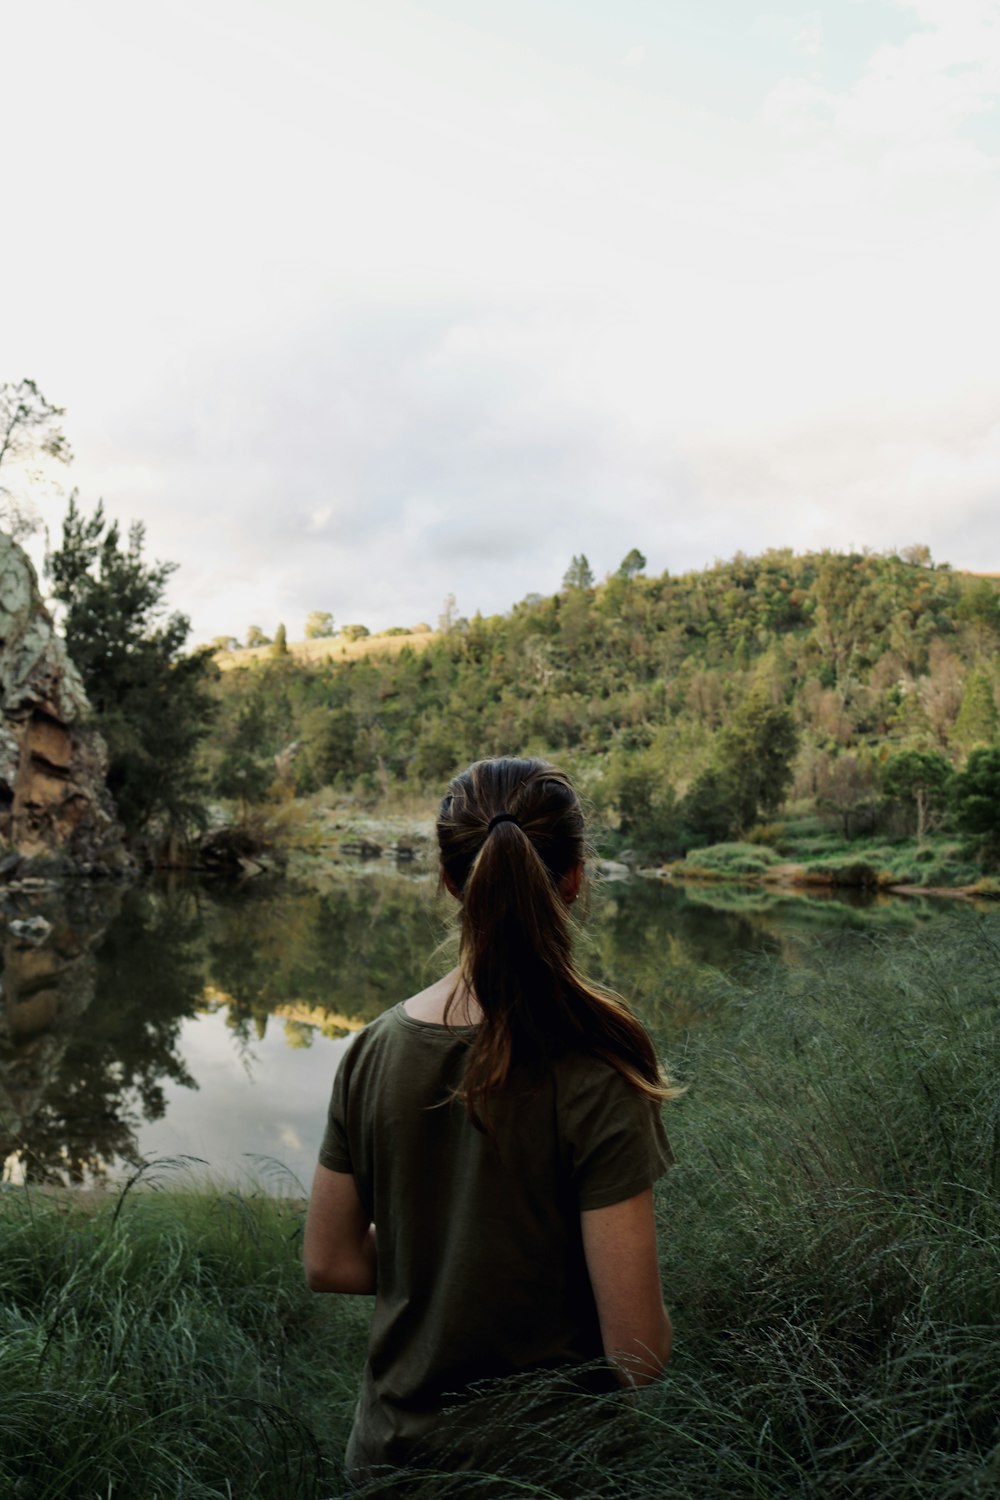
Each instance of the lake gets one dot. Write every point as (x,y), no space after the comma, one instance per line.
(185,1020)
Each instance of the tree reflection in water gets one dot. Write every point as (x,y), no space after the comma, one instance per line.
(347,951)
(91,1021)
(90,1026)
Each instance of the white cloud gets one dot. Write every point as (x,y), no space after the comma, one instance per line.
(798,106)
(914,97)
(801,34)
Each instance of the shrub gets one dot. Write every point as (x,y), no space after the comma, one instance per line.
(772,834)
(730,859)
(854,872)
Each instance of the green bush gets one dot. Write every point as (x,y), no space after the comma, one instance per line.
(729,859)
(770,834)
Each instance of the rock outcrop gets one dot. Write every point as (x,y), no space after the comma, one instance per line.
(54,803)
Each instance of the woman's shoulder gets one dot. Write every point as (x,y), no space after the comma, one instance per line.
(583,1076)
(371,1037)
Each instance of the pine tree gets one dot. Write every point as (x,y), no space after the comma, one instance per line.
(149,698)
(578,575)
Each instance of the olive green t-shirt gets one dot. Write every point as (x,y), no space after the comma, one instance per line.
(480,1263)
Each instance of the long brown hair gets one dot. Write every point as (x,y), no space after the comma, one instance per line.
(510,832)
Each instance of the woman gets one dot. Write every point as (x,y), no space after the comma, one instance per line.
(502,1130)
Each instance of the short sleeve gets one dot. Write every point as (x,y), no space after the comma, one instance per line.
(614,1137)
(334,1151)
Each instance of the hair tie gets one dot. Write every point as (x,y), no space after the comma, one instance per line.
(501,818)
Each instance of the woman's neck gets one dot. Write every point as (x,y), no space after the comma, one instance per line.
(430,1005)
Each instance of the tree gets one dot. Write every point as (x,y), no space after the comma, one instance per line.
(354,632)
(845,790)
(243,773)
(280,644)
(977,722)
(332,743)
(846,618)
(319,625)
(917,781)
(648,814)
(448,615)
(709,813)
(149,698)
(256,637)
(578,575)
(975,799)
(754,755)
(917,555)
(979,611)
(632,563)
(29,425)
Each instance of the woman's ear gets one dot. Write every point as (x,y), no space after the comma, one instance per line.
(569,886)
(449,884)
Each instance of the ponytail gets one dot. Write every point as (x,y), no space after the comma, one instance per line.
(511,837)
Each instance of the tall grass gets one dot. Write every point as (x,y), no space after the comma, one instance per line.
(165,1345)
(831,1255)
(833,1229)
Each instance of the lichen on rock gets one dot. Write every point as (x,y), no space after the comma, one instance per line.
(54,801)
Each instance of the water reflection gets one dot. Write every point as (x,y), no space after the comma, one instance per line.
(209,1020)
(89,1030)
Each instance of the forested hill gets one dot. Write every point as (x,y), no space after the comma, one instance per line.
(813,668)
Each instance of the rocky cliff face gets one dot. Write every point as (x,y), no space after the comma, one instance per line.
(54,804)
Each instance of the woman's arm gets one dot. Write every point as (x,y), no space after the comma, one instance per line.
(339,1246)
(619,1244)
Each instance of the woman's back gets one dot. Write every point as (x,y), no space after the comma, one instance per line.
(481,1267)
(506,1163)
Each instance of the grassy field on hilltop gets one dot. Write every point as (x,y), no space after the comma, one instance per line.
(328,648)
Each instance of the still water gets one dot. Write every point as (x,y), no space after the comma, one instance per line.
(207,1022)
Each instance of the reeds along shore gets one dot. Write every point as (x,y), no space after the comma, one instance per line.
(831,1255)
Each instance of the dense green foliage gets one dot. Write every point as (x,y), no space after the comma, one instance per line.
(149,698)
(831,1256)
(687,707)
(976,798)
(918,781)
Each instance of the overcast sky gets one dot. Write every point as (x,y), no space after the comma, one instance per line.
(356,303)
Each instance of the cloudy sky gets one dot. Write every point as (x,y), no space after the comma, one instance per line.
(356,303)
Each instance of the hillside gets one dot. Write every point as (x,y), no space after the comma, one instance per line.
(811,669)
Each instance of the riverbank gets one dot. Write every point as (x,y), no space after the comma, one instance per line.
(329,834)
(831,1255)
(933,868)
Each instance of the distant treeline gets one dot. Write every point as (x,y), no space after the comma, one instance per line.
(689,707)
